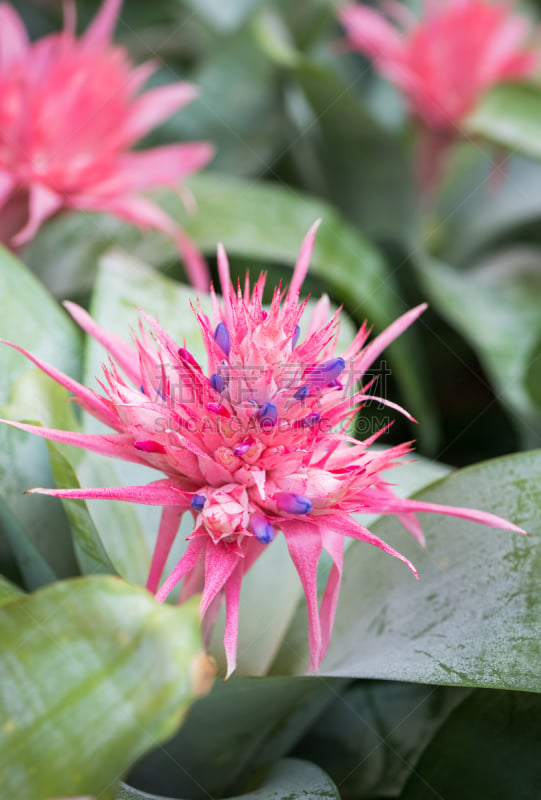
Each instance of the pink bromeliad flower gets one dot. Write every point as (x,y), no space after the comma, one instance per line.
(444,62)
(70,112)
(253,445)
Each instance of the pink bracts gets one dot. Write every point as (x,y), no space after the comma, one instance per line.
(443,62)
(70,112)
(252,445)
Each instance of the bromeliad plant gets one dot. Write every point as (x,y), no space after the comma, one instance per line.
(444,62)
(71,111)
(257,445)
(246,422)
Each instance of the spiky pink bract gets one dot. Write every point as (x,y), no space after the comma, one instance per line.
(71,110)
(253,446)
(444,62)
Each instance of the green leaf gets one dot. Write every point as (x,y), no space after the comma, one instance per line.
(241,726)
(413,474)
(38,532)
(509,116)
(8,591)
(95,672)
(37,395)
(473,216)
(495,306)
(371,736)
(472,619)
(290,779)
(489,747)
(89,549)
(19,554)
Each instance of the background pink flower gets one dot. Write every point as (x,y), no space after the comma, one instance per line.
(444,62)
(70,111)
(254,445)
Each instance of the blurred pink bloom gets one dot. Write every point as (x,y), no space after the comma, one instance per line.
(444,62)
(254,445)
(70,112)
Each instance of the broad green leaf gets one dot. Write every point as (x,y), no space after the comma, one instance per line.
(119,525)
(89,549)
(290,779)
(486,204)
(509,116)
(19,554)
(95,672)
(8,591)
(472,619)
(371,736)
(489,747)
(241,726)
(31,318)
(495,306)
(413,474)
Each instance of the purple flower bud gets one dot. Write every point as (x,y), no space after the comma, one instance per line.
(311,419)
(268,415)
(198,501)
(302,393)
(295,337)
(222,338)
(326,373)
(148,446)
(293,503)
(217,382)
(261,528)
